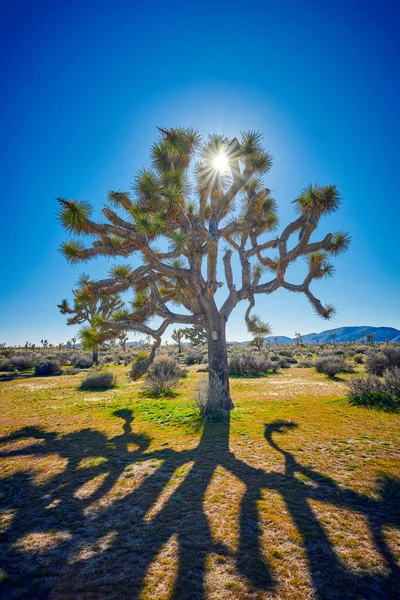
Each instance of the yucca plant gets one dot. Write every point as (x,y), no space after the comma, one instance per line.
(196,197)
(96,308)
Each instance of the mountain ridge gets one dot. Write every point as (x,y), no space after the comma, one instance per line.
(343,334)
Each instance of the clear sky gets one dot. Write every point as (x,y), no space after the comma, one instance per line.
(86,82)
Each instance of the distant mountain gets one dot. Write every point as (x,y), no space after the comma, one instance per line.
(343,334)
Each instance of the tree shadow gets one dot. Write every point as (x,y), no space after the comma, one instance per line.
(91,547)
(10,376)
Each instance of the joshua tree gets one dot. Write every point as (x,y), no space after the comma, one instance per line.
(123,338)
(175,224)
(297,338)
(95,309)
(178,335)
(362,336)
(370,338)
(73,340)
(196,335)
(44,343)
(257,342)
(276,340)
(333,336)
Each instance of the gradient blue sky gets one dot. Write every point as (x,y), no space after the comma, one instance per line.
(85,84)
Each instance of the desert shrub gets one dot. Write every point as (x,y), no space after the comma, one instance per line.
(209,408)
(375,392)
(330,365)
(162,377)
(358,358)
(23,363)
(139,357)
(108,358)
(285,352)
(46,368)
(378,362)
(98,381)
(284,364)
(193,356)
(391,381)
(291,360)
(305,364)
(82,361)
(71,371)
(6,365)
(250,364)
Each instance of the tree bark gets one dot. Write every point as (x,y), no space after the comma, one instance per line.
(95,356)
(219,397)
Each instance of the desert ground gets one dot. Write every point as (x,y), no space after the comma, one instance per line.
(115,495)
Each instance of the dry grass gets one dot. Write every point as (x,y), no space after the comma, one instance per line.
(108,495)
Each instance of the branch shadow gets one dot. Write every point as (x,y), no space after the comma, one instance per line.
(106,552)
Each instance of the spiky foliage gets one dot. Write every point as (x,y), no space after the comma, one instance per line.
(179,213)
(95,308)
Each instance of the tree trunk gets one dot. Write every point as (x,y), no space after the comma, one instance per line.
(218,392)
(95,356)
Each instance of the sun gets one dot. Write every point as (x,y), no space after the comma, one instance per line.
(221,162)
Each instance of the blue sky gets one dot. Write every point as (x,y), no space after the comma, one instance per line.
(86,83)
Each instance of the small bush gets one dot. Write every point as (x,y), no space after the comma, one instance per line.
(378,362)
(330,365)
(209,408)
(285,353)
(391,381)
(373,392)
(98,381)
(255,364)
(6,365)
(71,371)
(305,364)
(23,363)
(139,357)
(46,368)
(284,364)
(82,361)
(358,358)
(163,377)
(193,356)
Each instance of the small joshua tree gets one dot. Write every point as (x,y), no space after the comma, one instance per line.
(123,338)
(370,338)
(95,309)
(257,342)
(297,338)
(175,224)
(177,335)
